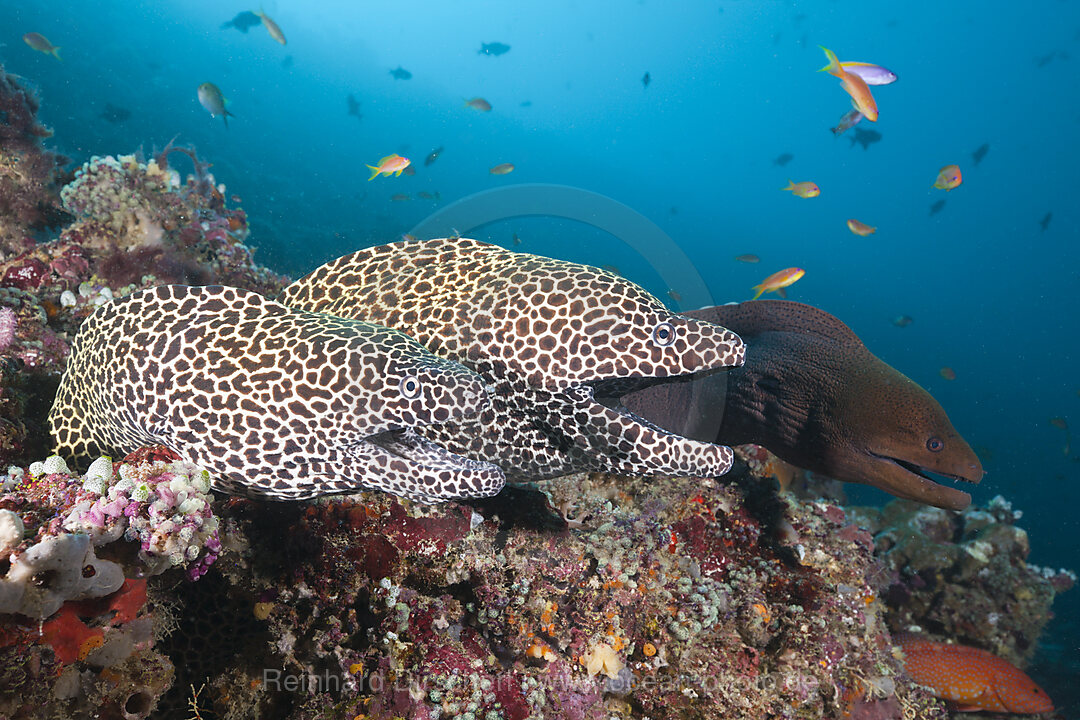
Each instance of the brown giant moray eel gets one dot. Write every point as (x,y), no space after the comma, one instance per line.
(813,394)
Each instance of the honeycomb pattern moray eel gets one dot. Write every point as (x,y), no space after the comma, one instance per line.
(556,340)
(971,678)
(813,394)
(272,401)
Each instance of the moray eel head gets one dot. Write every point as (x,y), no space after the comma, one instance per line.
(904,438)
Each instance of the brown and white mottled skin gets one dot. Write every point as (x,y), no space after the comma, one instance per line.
(273,401)
(550,336)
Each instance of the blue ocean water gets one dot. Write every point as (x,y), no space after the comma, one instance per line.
(732,87)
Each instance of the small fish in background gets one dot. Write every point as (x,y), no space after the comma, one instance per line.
(861,97)
(613,269)
(937,207)
(479,104)
(114,114)
(271,27)
(860,228)
(805,189)
(389,165)
(947,372)
(408,238)
(948,178)
(980,153)
(400,73)
(502,169)
(400,197)
(1062,424)
(354,106)
(39,42)
(516,240)
(1041,62)
(783,159)
(902,320)
(410,170)
(674,295)
(495,49)
(526,103)
(778,281)
(433,156)
(425,195)
(210,97)
(866,138)
(748,258)
(242,21)
(287,62)
(871,74)
(646,79)
(1045,222)
(849,120)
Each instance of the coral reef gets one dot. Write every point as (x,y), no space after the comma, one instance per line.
(77,631)
(680,598)
(29,175)
(963,576)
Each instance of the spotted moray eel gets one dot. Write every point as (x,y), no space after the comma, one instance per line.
(273,401)
(558,341)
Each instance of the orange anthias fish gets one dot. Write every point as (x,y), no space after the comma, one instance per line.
(855,86)
(972,678)
(947,372)
(40,43)
(805,189)
(778,281)
(860,228)
(479,103)
(389,165)
(948,178)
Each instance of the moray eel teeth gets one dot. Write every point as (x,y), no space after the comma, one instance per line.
(549,336)
(273,402)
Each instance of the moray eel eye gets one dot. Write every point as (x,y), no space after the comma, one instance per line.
(935,444)
(663,334)
(410,387)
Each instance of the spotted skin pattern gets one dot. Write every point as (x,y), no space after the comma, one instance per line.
(274,402)
(550,336)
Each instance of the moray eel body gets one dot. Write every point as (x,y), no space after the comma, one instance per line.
(813,394)
(558,341)
(272,401)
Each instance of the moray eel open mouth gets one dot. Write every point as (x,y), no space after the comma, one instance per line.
(912,481)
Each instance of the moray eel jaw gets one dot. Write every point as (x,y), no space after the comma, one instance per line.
(913,482)
(409,457)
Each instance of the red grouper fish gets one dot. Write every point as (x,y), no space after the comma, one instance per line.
(971,678)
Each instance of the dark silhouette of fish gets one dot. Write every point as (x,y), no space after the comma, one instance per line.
(115,114)
(354,106)
(980,153)
(495,48)
(243,21)
(866,138)
(783,159)
(1045,222)
(646,79)
(1045,60)
(401,73)
(433,156)
(937,207)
